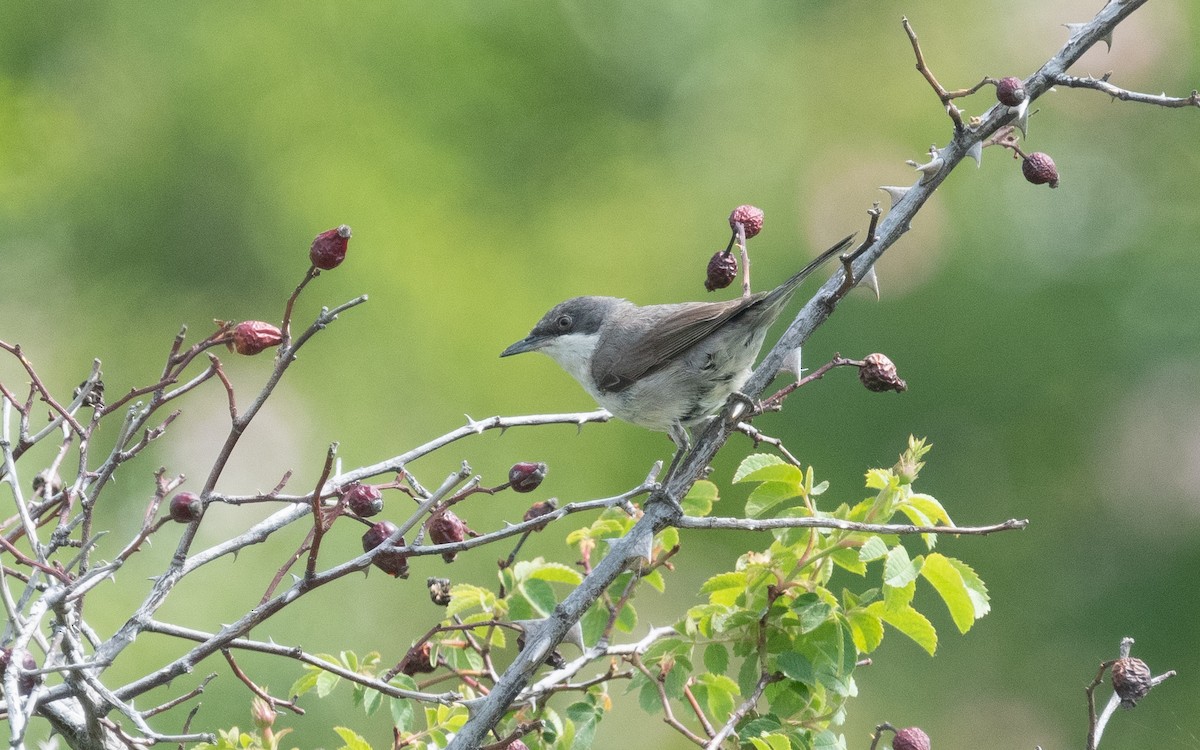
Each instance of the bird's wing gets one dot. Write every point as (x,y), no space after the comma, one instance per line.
(667,334)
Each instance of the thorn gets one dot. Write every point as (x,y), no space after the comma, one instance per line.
(976,153)
(895,192)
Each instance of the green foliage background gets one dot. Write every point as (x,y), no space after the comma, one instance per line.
(164,164)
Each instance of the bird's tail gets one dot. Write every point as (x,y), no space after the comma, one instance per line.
(786,288)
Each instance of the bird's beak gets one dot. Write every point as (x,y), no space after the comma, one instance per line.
(530,343)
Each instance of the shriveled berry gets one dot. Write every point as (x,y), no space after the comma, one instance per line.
(26,682)
(364,500)
(47,483)
(526,476)
(439,590)
(418,661)
(393,563)
(539,509)
(1010,91)
(722,270)
(447,528)
(516,745)
(1130,680)
(750,217)
(186,507)
(253,336)
(329,248)
(1039,169)
(878,374)
(910,738)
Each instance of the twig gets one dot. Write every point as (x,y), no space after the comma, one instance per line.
(1102,84)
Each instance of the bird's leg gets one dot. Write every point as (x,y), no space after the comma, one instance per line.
(738,406)
(679,436)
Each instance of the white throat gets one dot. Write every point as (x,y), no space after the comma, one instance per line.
(573,353)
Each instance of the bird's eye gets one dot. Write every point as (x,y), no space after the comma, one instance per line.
(563,322)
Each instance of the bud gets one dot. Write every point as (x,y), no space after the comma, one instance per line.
(364,500)
(439,590)
(253,336)
(261,713)
(1010,91)
(526,476)
(447,528)
(879,374)
(1039,169)
(329,248)
(537,510)
(1130,680)
(393,563)
(722,270)
(186,507)
(750,217)
(910,738)
(417,661)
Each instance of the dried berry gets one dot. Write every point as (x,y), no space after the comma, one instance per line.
(253,336)
(526,476)
(447,528)
(1010,91)
(879,374)
(45,489)
(1130,680)
(910,738)
(750,217)
(364,500)
(393,563)
(439,590)
(1039,169)
(329,248)
(186,507)
(722,270)
(516,745)
(418,661)
(539,509)
(25,682)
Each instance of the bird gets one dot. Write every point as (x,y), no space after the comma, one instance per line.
(666,367)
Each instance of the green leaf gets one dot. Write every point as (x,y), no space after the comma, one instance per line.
(753,463)
(910,622)
(929,507)
(898,569)
(776,472)
(353,741)
(655,580)
(866,628)
(326,682)
(848,559)
(465,597)
(305,682)
(716,658)
(873,549)
(557,573)
(797,667)
(767,495)
(402,713)
(626,618)
(827,740)
(770,742)
(966,603)
(725,588)
(700,498)
(540,595)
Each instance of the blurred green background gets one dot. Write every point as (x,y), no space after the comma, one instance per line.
(164,164)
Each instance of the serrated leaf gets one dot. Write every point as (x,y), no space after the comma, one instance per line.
(557,573)
(872,549)
(910,622)
(305,682)
(655,580)
(898,569)
(700,498)
(848,559)
(827,740)
(722,581)
(777,472)
(878,479)
(402,713)
(797,667)
(465,597)
(754,462)
(326,682)
(540,595)
(351,739)
(716,658)
(767,495)
(866,628)
(770,742)
(966,603)
(899,597)
(929,507)
(626,619)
